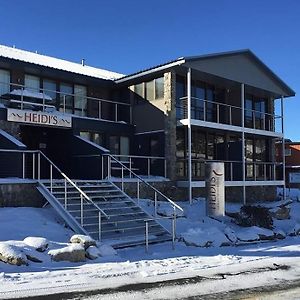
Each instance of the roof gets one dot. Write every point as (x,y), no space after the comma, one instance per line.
(186,59)
(56,63)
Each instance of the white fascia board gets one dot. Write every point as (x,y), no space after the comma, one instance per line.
(227,127)
(147,72)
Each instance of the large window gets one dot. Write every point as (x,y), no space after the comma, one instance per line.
(150,90)
(255,112)
(119,145)
(4,81)
(49,87)
(80,100)
(66,98)
(95,137)
(32,83)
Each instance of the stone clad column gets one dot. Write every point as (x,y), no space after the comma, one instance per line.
(170,123)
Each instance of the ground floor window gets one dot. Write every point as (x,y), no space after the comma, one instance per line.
(119,145)
(95,137)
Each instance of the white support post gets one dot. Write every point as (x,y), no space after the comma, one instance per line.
(243,141)
(189,101)
(283,149)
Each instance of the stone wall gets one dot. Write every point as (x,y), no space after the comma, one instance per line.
(170,123)
(253,193)
(20,194)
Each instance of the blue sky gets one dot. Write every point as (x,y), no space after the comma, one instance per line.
(126,36)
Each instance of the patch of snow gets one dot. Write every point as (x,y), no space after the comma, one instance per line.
(39,243)
(67,249)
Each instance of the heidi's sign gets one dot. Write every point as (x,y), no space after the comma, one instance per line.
(215,190)
(42,118)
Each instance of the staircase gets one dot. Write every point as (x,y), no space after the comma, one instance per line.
(106,213)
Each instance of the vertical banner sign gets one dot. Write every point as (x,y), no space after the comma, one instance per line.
(215,189)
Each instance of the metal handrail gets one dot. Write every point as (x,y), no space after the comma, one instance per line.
(145,182)
(87,198)
(74,184)
(42,90)
(232,106)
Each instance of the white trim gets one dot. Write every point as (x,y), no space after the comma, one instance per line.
(144,73)
(201,184)
(93,144)
(12,139)
(149,132)
(227,127)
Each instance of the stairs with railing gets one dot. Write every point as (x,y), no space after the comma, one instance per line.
(110,215)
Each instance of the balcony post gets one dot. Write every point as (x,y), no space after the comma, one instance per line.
(283,149)
(189,102)
(243,141)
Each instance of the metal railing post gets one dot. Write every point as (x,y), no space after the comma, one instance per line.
(130,163)
(204,110)
(99,228)
(155,204)
(33,165)
(23,165)
(274,171)
(102,166)
(147,236)
(138,190)
(122,178)
(64,103)
(51,179)
(39,166)
(231,171)
(100,110)
(43,101)
(265,172)
(230,115)
(218,113)
(165,168)
(254,170)
(108,167)
(22,97)
(81,210)
(66,194)
(173,227)
(116,112)
(149,166)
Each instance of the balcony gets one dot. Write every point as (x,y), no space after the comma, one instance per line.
(220,113)
(50,101)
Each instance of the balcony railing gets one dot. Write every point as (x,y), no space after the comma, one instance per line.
(254,171)
(20,97)
(216,112)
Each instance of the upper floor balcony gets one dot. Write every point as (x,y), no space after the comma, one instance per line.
(232,115)
(75,102)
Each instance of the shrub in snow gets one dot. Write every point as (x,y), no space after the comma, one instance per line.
(166,210)
(84,240)
(280,234)
(72,253)
(12,255)
(40,244)
(295,230)
(92,252)
(254,216)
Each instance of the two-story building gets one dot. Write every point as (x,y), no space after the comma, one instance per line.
(167,121)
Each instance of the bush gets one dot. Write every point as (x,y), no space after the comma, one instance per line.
(251,215)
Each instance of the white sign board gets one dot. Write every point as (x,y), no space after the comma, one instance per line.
(37,117)
(294,178)
(215,189)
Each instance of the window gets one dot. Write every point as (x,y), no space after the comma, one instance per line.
(149,90)
(119,145)
(66,98)
(49,87)
(95,137)
(32,83)
(287,152)
(255,112)
(80,100)
(159,88)
(4,82)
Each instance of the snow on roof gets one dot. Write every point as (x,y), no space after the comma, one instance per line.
(56,63)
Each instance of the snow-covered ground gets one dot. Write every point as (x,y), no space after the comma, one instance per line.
(219,257)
